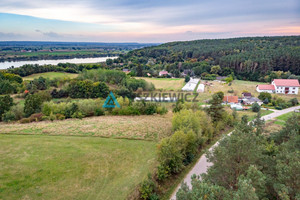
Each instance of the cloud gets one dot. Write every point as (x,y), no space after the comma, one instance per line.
(9,36)
(146,20)
(50,34)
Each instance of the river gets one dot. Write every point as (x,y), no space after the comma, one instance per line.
(6,64)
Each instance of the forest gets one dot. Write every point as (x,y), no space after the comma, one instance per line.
(250,58)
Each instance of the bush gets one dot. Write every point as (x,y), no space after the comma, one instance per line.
(187,79)
(59,94)
(32,104)
(7,87)
(5,103)
(99,112)
(60,117)
(150,108)
(44,95)
(18,111)
(9,116)
(178,106)
(147,188)
(78,115)
(25,120)
(36,117)
(294,101)
(255,107)
(161,110)
(88,106)
(265,95)
(230,91)
(176,151)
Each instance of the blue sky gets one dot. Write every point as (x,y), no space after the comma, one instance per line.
(146,21)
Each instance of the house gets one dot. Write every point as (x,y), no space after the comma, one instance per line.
(280,86)
(251,100)
(265,88)
(163,73)
(230,99)
(246,95)
(221,78)
(126,71)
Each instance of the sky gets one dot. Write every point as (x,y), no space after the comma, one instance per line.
(145,21)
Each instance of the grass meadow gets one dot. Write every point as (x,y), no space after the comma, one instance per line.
(64,167)
(50,75)
(166,84)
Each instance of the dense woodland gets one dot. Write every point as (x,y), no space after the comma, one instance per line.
(250,58)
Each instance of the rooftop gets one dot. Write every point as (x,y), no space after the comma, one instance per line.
(287,82)
(266,87)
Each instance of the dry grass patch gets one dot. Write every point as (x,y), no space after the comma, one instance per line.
(152,127)
(51,75)
(166,84)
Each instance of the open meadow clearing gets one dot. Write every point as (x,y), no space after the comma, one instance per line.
(64,167)
(167,84)
(51,75)
(134,127)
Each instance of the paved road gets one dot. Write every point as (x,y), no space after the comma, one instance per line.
(202,165)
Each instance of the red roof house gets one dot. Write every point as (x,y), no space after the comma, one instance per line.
(280,86)
(231,99)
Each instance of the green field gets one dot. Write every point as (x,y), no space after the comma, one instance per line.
(283,118)
(65,167)
(51,75)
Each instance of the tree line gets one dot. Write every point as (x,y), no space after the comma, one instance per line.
(250,58)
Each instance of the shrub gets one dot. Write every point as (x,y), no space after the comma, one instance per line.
(32,104)
(78,115)
(147,188)
(59,94)
(36,117)
(52,117)
(5,103)
(266,101)
(25,120)
(187,79)
(150,108)
(230,91)
(9,116)
(255,107)
(60,117)
(294,101)
(263,95)
(161,110)
(186,120)
(18,111)
(99,112)
(7,87)
(178,106)
(44,95)
(88,106)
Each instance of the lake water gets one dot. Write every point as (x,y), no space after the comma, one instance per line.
(6,64)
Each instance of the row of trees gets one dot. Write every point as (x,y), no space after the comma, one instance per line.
(192,129)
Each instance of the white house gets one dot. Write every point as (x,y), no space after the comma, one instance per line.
(191,85)
(280,86)
(163,73)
